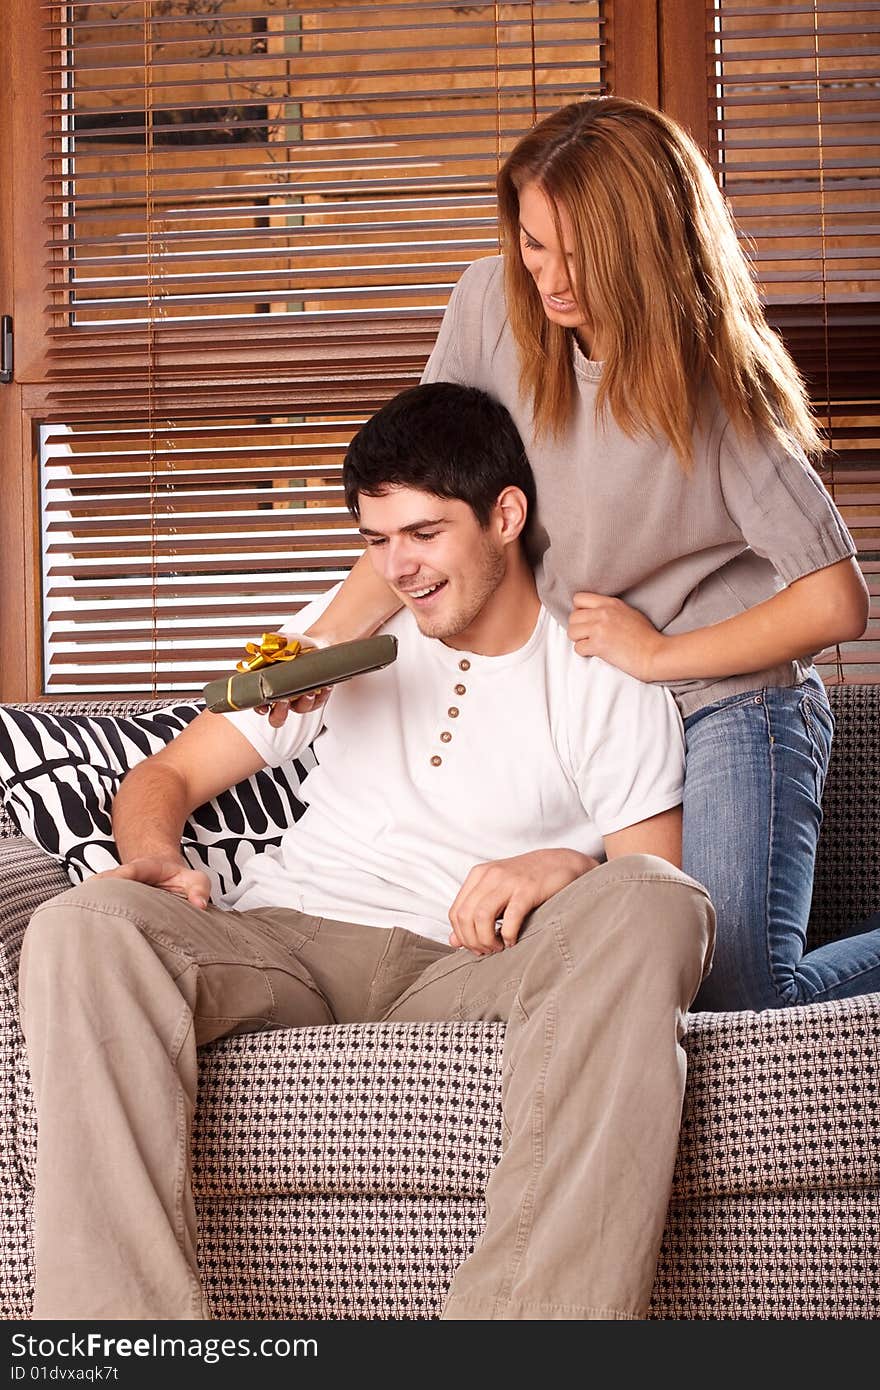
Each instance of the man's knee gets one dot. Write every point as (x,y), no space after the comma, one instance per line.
(119,896)
(644,902)
(83,927)
(648,874)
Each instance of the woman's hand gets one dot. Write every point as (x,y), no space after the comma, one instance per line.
(828,606)
(621,635)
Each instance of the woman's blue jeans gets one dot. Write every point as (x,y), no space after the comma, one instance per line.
(755,768)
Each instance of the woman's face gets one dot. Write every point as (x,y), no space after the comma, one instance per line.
(551,265)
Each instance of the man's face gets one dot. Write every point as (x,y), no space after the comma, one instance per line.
(435,555)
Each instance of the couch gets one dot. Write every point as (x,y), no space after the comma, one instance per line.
(339,1171)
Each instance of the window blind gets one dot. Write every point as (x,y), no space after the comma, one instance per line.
(167,547)
(794,96)
(215,163)
(257,212)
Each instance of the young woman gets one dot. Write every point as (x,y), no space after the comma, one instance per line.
(681,532)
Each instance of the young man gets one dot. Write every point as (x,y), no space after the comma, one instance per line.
(446,867)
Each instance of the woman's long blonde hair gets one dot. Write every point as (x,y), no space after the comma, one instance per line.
(662,276)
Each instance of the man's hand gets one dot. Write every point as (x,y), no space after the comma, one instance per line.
(172,873)
(507,890)
(621,635)
(306,703)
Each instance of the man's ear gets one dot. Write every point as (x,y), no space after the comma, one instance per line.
(511,510)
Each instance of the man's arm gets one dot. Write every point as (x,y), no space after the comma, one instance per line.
(507,890)
(156,797)
(660,835)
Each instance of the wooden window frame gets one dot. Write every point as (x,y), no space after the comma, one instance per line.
(21,278)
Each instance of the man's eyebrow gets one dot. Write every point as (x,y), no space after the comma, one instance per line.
(423,525)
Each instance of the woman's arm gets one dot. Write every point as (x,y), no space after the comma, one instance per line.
(362,605)
(815,612)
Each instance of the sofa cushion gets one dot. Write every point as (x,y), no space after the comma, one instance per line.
(60,772)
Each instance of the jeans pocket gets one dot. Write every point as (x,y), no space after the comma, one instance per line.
(819,726)
(818,717)
(731,702)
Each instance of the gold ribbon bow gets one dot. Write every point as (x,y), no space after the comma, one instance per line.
(272,647)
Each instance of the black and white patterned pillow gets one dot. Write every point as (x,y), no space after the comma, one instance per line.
(60,772)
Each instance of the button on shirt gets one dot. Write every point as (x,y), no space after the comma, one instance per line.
(545,750)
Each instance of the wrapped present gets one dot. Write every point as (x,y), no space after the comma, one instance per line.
(280,668)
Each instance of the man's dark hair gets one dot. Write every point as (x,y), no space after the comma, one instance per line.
(452,441)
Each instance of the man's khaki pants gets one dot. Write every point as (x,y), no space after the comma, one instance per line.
(120,983)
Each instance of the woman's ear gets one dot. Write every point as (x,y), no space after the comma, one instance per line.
(511,510)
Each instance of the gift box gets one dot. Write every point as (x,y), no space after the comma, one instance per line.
(280,668)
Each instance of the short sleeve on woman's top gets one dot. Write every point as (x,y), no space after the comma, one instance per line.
(475,316)
(781,506)
(445,364)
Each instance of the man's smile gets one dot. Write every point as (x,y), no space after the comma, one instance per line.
(423,595)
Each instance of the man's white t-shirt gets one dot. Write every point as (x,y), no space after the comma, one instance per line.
(446,759)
